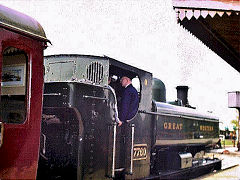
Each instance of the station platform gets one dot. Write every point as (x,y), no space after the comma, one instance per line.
(233,156)
(230,164)
(227,150)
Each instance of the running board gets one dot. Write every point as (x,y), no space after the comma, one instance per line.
(189,173)
(229,166)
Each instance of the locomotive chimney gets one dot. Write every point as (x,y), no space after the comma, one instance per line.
(182,94)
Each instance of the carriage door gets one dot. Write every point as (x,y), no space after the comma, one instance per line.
(14,151)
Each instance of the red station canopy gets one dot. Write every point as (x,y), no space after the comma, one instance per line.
(215,23)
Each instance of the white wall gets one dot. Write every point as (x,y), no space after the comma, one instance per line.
(142,33)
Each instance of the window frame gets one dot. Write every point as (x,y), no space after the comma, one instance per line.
(25,50)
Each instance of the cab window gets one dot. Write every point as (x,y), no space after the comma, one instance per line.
(136,84)
(14,86)
(115,75)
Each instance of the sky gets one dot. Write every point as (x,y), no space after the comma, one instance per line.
(141,33)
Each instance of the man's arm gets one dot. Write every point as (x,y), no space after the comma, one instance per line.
(125,105)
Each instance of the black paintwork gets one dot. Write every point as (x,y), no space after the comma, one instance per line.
(78,130)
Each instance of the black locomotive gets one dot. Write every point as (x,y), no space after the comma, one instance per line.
(80,137)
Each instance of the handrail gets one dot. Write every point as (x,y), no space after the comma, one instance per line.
(95,97)
(1,133)
(132,144)
(115,103)
(114,148)
(52,94)
(176,115)
(114,129)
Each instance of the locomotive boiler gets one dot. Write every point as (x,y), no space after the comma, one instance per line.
(80,138)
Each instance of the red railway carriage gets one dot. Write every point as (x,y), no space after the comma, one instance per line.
(22,41)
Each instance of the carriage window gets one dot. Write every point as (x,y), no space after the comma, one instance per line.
(13,86)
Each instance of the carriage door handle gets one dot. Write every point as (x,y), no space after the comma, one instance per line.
(1,133)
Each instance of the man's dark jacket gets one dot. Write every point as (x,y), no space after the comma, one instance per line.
(129,103)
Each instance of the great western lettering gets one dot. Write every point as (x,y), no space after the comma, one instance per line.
(172,126)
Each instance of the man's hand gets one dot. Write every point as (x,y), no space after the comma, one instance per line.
(119,123)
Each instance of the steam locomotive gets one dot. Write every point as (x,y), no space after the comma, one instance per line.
(80,138)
